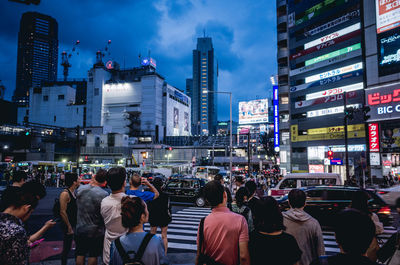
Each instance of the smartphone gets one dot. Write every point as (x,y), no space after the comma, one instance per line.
(57,220)
(36,243)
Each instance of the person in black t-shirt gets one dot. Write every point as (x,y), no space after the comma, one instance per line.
(8,196)
(269,244)
(354,232)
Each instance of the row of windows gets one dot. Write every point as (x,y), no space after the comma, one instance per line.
(60,97)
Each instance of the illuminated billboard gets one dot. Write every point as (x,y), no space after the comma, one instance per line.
(387,15)
(335,91)
(334,72)
(384,102)
(254,111)
(389,52)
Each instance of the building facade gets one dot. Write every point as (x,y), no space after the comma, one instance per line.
(321,52)
(205,72)
(37,53)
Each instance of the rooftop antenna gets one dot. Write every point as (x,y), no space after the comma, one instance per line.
(204,32)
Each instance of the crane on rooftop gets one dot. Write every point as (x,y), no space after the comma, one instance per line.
(64,59)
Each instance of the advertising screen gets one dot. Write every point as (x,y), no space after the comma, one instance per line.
(387,15)
(254,111)
(276,118)
(389,52)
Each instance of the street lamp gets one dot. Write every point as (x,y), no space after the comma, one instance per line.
(230,133)
(5,147)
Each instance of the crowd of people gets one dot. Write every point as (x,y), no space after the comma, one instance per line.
(243,228)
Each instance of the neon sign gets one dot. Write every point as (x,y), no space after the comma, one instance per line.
(335,72)
(377,99)
(276,118)
(329,111)
(335,91)
(373,132)
(333,54)
(332,98)
(333,35)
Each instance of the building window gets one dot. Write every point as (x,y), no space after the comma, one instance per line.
(55,118)
(60,97)
(284,100)
(96,91)
(77,110)
(45,98)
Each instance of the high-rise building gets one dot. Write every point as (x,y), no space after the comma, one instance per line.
(37,53)
(204,105)
(328,54)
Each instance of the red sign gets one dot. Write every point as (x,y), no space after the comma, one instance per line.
(378,98)
(325,44)
(373,132)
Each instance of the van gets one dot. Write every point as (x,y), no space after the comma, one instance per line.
(300,180)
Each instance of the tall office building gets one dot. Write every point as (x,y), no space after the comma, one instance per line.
(37,53)
(331,53)
(204,105)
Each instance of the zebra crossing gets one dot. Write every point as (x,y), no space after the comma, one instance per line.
(182,231)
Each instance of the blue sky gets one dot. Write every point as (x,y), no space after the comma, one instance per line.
(243,33)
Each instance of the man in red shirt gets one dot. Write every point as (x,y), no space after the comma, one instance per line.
(225,233)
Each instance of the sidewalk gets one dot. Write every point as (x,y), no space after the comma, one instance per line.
(174,258)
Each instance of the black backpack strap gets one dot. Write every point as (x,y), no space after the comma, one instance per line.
(121,251)
(201,234)
(143,246)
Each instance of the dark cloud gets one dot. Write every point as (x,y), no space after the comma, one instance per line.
(243,34)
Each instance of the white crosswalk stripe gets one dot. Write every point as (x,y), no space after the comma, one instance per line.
(182,231)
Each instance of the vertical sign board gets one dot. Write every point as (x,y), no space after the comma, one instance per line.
(276,118)
(373,137)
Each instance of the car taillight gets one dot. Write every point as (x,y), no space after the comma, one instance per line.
(381,192)
(384,210)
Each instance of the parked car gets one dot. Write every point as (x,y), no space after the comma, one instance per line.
(324,202)
(390,195)
(186,189)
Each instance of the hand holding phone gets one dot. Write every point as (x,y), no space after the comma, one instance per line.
(36,243)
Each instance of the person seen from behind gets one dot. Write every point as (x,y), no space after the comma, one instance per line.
(269,244)
(223,235)
(19,179)
(220,178)
(240,207)
(305,229)
(360,202)
(390,251)
(252,197)
(126,249)
(111,209)
(68,212)
(354,232)
(135,182)
(160,212)
(14,248)
(90,224)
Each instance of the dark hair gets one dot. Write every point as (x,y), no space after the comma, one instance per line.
(360,201)
(218,177)
(19,176)
(136,180)
(268,216)
(101,175)
(354,231)
(398,203)
(297,198)
(158,183)
(24,196)
(239,196)
(239,179)
(116,177)
(70,178)
(251,187)
(35,188)
(214,192)
(132,209)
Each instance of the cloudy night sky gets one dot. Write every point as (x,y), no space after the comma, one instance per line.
(243,34)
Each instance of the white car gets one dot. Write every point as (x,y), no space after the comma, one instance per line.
(390,195)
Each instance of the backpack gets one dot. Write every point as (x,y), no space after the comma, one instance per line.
(137,260)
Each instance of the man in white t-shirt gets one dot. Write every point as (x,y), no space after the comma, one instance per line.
(111,209)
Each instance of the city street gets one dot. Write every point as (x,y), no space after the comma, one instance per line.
(181,232)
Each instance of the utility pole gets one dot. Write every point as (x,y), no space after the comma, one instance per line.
(78,148)
(248,152)
(346,136)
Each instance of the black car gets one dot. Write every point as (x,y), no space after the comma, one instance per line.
(324,202)
(186,190)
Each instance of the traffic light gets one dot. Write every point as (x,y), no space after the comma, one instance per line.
(170,148)
(27,133)
(330,154)
(349,112)
(366,109)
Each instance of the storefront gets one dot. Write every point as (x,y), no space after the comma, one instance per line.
(384,129)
